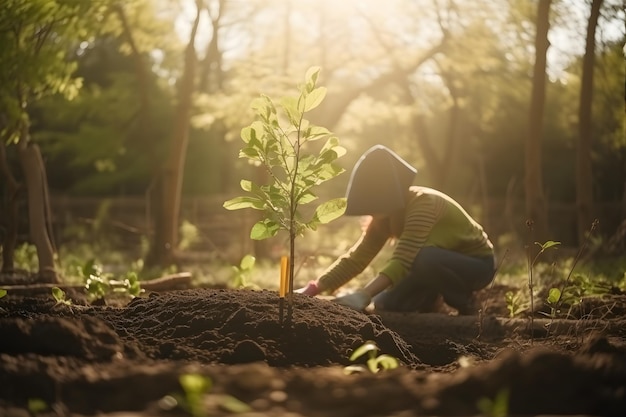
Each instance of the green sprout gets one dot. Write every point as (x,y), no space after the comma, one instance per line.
(195,386)
(374,361)
(99,284)
(243,271)
(497,407)
(276,141)
(60,297)
(37,405)
(513,302)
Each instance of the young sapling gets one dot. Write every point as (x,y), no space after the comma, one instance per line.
(278,141)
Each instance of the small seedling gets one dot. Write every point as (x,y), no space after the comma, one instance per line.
(60,296)
(531,264)
(497,407)
(242,272)
(37,405)
(513,303)
(374,362)
(554,295)
(195,386)
(99,284)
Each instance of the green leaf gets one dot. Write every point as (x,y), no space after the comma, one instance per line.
(36,405)
(3,292)
(554,295)
(306,197)
(314,98)
(247,262)
(234,405)
(290,106)
(316,132)
(238,203)
(330,210)
(312,74)
(549,244)
(195,383)
(264,229)
(367,347)
(386,362)
(58,293)
(353,369)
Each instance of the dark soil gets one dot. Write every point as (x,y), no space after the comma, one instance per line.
(94,360)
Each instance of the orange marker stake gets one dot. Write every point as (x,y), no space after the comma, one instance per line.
(284,272)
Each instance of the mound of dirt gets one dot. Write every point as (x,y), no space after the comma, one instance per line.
(87,360)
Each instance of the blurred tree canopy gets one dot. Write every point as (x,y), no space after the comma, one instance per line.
(447,84)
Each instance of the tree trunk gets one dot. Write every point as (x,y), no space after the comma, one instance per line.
(38,206)
(536,209)
(584,176)
(172,174)
(9,211)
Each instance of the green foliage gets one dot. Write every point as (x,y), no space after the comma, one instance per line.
(25,257)
(36,36)
(276,142)
(60,297)
(99,285)
(241,273)
(374,362)
(571,295)
(36,405)
(194,386)
(497,407)
(513,302)
(3,292)
(188,235)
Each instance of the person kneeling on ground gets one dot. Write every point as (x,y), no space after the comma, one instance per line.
(440,249)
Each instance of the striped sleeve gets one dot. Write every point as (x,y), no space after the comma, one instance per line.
(356,259)
(422,214)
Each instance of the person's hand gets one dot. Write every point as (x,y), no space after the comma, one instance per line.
(358,300)
(311,289)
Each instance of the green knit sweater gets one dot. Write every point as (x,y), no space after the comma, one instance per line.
(431,218)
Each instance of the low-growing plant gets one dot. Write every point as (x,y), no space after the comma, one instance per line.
(195,389)
(60,297)
(496,407)
(513,303)
(3,292)
(374,362)
(36,405)
(531,261)
(242,272)
(277,142)
(99,285)
(194,386)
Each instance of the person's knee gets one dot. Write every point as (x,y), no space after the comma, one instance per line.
(428,259)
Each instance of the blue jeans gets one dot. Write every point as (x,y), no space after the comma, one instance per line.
(435,272)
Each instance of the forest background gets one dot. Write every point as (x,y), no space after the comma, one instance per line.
(120,120)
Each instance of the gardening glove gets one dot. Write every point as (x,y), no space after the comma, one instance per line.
(358,300)
(311,289)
